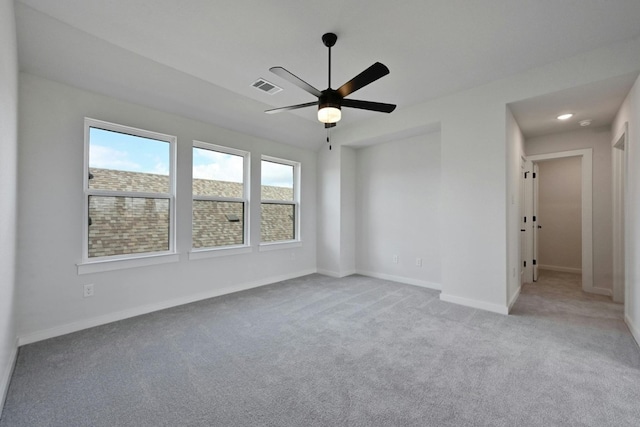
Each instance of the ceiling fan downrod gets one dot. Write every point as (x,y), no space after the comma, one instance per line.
(329,40)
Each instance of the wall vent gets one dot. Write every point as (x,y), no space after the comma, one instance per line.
(265,86)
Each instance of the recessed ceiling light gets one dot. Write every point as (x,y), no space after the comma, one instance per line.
(565,116)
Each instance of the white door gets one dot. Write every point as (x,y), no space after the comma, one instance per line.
(526,221)
(534,223)
(523,224)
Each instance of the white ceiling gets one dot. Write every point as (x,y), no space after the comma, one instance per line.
(198,58)
(598,102)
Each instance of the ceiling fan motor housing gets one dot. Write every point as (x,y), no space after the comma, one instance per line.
(329,98)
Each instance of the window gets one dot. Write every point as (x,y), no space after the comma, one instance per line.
(220,208)
(280,200)
(129,192)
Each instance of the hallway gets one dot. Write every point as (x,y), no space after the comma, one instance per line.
(572,317)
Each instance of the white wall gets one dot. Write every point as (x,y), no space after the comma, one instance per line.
(336,211)
(348,211)
(329,212)
(398,187)
(515,153)
(51,208)
(8,188)
(475,176)
(560,214)
(598,139)
(630,113)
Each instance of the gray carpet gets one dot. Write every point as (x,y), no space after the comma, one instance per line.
(318,351)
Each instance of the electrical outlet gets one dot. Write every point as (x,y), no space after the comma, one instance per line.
(395,259)
(88,290)
(419,262)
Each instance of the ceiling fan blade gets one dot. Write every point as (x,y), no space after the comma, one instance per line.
(291,107)
(292,78)
(369,75)
(329,125)
(368,105)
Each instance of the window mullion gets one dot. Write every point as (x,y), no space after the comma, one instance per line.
(219,199)
(278,202)
(134,194)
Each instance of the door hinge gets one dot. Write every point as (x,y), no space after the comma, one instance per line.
(535,262)
(534,218)
(525,174)
(534,175)
(525,219)
(525,263)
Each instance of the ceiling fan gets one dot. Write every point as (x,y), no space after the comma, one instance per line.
(330,101)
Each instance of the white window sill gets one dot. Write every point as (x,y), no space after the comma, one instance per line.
(217,252)
(274,246)
(118,264)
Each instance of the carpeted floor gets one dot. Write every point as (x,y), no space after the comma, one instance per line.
(318,351)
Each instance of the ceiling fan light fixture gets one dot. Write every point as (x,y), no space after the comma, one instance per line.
(329,109)
(329,114)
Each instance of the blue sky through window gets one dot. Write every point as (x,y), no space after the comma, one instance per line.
(120,151)
(277,174)
(214,165)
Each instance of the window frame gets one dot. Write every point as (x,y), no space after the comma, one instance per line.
(88,264)
(297,238)
(195,253)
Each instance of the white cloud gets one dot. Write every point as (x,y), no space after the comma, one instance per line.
(109,158)
(161,169)
(217,166)
(277,174)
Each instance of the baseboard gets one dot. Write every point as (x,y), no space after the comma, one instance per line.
(514,298)
(560,269)
(482,305)
(336,274)
(599,291)
(68,328)
(635,332)
(401,279)
(7,373)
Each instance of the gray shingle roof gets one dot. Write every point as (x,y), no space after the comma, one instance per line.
(125,225)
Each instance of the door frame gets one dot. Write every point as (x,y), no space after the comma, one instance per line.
(522,211)
(619,156)
(526,220)
(586,156)
(534,221)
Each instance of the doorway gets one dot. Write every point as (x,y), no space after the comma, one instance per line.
(586,214)
(558,215)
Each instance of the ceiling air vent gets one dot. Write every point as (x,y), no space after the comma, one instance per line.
(266,86)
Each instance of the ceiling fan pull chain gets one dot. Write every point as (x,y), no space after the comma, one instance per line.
(328,141)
